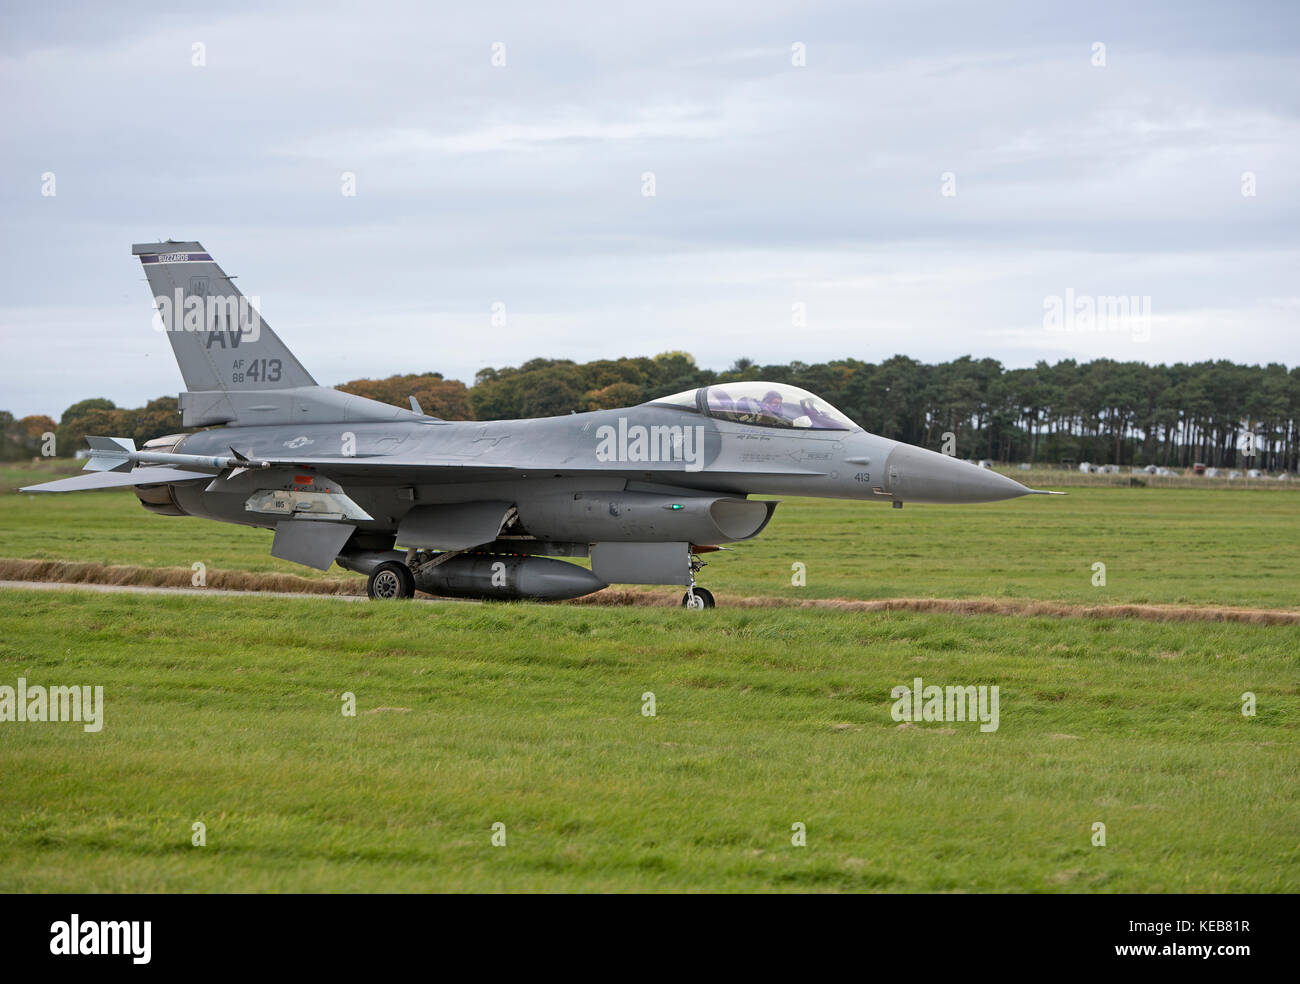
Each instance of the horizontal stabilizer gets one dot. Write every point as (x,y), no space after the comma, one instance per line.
(90,481)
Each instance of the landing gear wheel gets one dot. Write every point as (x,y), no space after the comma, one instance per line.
(389,581)
(698,598)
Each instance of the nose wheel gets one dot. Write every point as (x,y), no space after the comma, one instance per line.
(390,581)
(697,597)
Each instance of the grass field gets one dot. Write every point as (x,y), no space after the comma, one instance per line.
(1178,546)
(229,712)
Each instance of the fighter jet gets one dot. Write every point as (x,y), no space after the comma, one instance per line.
(483,509)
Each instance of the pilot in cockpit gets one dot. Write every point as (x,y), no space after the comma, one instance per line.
(773,406)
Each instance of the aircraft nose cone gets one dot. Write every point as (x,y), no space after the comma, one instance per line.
(916,475)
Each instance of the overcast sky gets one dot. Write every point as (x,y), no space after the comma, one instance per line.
(827,184)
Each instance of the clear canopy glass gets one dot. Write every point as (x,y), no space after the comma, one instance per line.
(763,404)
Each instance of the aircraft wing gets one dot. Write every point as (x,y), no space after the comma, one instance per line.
(116,463)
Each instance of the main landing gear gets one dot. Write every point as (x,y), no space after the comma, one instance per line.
(697,597)
(390,580)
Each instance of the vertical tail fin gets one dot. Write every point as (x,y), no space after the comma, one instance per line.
(236,368)
(217,334)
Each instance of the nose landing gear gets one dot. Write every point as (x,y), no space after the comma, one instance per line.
(697,597)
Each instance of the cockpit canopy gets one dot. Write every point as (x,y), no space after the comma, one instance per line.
(762,404)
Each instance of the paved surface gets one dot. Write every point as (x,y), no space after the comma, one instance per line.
(1023,608)
(148,589)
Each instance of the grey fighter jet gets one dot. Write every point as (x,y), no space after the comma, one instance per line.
(482,509)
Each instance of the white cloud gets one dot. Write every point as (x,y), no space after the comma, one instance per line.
(776,183)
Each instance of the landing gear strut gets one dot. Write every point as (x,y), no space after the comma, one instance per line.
(697,597)
(389,581)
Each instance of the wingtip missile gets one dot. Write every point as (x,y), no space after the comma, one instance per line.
(118,454)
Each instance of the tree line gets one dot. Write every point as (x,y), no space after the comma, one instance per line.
(1103,411)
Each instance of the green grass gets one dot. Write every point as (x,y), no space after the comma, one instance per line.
(227,711)
(1178,546)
